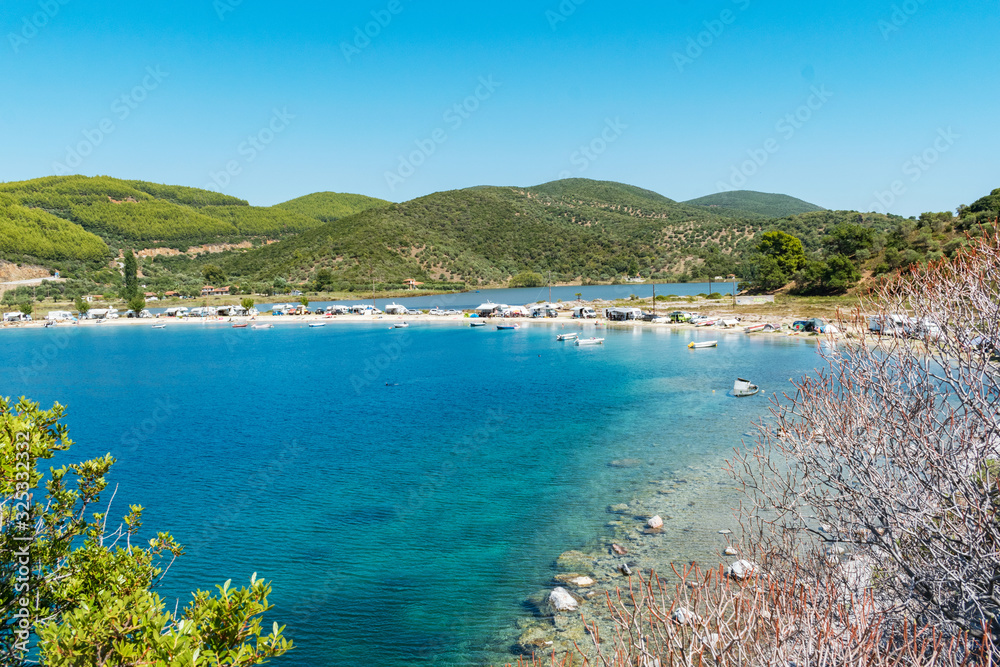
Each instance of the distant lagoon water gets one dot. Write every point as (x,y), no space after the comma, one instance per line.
(525,295)
(405,490)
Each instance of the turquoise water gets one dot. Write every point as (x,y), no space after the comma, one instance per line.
(401,524)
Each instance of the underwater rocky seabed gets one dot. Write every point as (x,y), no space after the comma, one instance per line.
(696,503)
(414,514)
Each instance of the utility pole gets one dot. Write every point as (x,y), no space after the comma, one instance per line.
(550,285)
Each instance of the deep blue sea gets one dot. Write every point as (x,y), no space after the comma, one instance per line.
(406,489)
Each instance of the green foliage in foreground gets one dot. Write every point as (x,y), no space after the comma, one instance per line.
(762,204)
(84,593)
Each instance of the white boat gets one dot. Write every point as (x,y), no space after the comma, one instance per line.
(743,388)
(568,336)
(704,343)
(317,324)
(262,326)
(590,341)
(400,325)
(754,327)
(159,326)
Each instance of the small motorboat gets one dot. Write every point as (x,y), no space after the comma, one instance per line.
(568,336)
(400,325)
(704,343)
(503,327)
(313,325)
(262,326)
(240,325)
(159,326)
(590,341)
(754,327)
(705,323)
(477,324)
(743,388)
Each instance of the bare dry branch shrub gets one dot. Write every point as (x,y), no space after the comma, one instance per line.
(871,500)
(889,456)
(712,620)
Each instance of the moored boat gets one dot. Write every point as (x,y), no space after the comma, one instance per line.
(744,388)
(240,325)
(704,343)
(159,326)
(477,324)
(400,325)
(568,336)
(590,341)
(262,326)
(501,327)
(314,325)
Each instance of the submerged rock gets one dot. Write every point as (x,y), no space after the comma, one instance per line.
(562,600)
(575,561)
(582,581)
(618,508)
(619,549)
(625,463)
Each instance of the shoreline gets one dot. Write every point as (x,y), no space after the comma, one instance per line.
(783,322)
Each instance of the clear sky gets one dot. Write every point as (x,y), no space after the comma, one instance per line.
(849,104)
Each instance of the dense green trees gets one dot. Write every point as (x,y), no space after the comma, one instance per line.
(761,204)
(82,590)
(527,279)
(130,287)
(27,232)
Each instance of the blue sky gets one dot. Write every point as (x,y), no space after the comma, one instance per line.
(855,105)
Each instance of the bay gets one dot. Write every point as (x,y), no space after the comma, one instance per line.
(404,490)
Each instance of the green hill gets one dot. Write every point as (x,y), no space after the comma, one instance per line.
(140,214)
(748,202)
(577,229)
(30,233)
(329,206)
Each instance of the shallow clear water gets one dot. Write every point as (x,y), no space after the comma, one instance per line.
(401,524)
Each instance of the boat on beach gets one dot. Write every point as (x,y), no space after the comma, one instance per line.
(704,343)
(744,388)
(568,336)
(754,327)
(705,323)
(590,341)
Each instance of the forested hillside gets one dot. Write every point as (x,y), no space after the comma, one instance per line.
(576,229)
(31,234)
(567,231)
(329,206)
(748,202)
(139,214)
